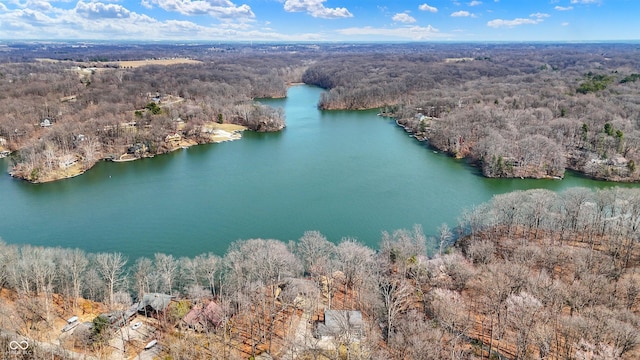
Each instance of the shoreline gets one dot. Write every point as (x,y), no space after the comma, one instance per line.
(218,133)
(423,138)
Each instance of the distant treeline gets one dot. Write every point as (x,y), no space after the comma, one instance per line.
(535,274)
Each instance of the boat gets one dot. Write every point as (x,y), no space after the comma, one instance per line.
(150,344)
(70,326)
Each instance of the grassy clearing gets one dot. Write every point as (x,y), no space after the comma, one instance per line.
(164,62)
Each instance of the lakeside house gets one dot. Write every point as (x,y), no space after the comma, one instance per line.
(137,149)
(203,318)
(67,161)
(173,137)
(154,303)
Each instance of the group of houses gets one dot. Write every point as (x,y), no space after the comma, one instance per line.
(342,325)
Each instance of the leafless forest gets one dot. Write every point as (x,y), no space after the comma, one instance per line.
(517,110)
(534,274)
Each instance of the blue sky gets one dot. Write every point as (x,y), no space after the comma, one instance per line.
(321,20)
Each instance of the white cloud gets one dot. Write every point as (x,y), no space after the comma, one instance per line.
(462,13)
(475,3)
(215,8)
(40,5)
(3,7)
(585,1)
(69,24)
(565,24)
(563,8)
(96,10)
(31,16)
(316,9)
(426,7)
(511,23)
(533,19)
(407,32)
(539,15)
(403,18)
(105,21)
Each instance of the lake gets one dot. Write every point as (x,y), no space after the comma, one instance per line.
(343,173)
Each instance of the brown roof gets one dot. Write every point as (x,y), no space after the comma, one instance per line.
(212,314)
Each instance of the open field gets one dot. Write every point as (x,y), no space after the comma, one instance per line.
(135,63)
(164,62)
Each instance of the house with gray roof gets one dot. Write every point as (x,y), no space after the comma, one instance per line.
(154,303)
(340,323)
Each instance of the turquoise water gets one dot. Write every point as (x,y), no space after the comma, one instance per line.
(343,173)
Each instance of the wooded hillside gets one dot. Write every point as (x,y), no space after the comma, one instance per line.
(62,113)
(517,110)
(533,274)
(527,110)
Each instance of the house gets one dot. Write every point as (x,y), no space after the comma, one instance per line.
(45,123)
(131,311)
(173,137)
(137,149)
(201,319)
(115,317)
(340,323)
(154,303)
(67,161)
(618,161)
(3,141)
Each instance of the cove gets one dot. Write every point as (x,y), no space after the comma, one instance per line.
(343,173)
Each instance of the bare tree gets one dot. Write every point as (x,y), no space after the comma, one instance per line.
(208,267)
(315,251)
(73,264)
(397,297)
(111,268)
(167,268)
(354,260)
(523,311)
(143,275)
